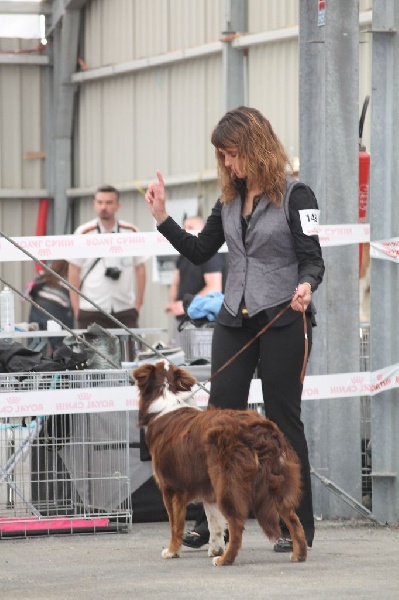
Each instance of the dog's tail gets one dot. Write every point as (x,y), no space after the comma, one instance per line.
(278,477)
(277,460)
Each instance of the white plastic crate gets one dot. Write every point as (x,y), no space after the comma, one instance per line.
(196,342)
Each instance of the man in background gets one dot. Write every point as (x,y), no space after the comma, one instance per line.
(115,284)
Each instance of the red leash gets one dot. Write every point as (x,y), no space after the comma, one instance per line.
(261,332)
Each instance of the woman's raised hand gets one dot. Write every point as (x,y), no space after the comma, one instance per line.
(155,196)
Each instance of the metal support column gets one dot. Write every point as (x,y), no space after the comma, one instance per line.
(328,124)
(234,71)
(65,54)
(384,220)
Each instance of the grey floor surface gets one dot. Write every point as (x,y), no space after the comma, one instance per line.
(353,559)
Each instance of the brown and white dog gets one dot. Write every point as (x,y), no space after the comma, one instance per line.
(233,461)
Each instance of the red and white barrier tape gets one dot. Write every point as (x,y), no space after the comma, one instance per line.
(328,387)
(154,244)
(98,399)
(341,235)
(386,250)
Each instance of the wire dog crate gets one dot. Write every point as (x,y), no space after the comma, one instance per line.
(64,473)
(196,342)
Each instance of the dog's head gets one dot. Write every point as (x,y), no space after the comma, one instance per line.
(158,382)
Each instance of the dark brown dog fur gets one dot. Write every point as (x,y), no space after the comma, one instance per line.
(234,460)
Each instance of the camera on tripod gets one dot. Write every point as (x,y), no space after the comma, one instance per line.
(113,273)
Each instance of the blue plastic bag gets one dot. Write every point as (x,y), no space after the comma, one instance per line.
(206,307)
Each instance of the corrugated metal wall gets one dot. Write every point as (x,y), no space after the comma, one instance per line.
(161,118)
(21,135)
(270,15)
(128,126)
(277,96)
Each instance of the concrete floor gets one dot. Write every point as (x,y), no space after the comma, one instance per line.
(354,559)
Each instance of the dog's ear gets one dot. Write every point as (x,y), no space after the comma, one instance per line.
(143,375)
(184,380)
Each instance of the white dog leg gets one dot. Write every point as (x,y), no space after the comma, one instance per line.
(216,524)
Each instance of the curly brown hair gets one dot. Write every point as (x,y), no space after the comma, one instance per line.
(265,158)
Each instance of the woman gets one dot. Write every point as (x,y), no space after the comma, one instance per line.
(267,219)
(53,295)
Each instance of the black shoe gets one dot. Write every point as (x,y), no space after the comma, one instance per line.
(192,539)
(283,545)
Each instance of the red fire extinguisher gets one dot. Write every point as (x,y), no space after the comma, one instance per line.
(364,175)
(41,224)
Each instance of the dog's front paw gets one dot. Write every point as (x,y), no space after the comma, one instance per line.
(166,553)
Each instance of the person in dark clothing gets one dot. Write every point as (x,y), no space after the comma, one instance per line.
(193,279)
(52,295)
(269,222)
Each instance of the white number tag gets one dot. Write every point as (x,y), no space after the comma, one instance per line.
(310,221)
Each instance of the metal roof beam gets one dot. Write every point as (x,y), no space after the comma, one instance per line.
(25,194)
(132,186)
(24,59)
(147,63)
(24,8)
(151,62)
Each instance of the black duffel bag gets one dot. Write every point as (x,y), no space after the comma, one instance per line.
(16,358)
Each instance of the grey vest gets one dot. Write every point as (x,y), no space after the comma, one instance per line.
(265,271)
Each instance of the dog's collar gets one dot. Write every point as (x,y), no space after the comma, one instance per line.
(168,402)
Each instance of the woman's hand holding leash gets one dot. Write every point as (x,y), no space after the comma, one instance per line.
(302,297)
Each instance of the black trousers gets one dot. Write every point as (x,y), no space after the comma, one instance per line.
(279,355)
